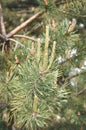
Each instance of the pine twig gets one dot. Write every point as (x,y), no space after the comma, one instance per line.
(24,24)
(80,92)
(73,76)
(62,80)
(17,43)
(3,30)
(2,37)
(26,37)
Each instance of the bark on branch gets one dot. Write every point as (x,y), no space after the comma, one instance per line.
(73,76)
(26,37)
(82,91)
(3,30)
(24,24)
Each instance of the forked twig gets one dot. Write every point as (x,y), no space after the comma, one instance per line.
(17,43)
(24,24)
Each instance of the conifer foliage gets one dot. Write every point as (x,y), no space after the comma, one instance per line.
(37,99)
(42,79)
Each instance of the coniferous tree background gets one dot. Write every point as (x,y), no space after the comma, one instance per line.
(43,80)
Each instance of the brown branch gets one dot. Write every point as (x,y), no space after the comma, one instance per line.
(26,37)
(73,76)
(37,28)
(80,92)
(61,80)
(1,37)
(24,24)
(3,30)
(17,43)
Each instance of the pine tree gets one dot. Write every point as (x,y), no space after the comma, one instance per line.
(42,89)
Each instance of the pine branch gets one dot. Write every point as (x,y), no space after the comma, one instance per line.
(62,80)
(26,37)
(37,28)
(73,76)
(82,91)
(17,43)
(3,30)
(2,37)
(24,24)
